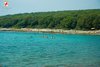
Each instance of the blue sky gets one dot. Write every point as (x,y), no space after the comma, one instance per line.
(28,6)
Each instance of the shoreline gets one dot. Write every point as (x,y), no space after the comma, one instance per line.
(93,32)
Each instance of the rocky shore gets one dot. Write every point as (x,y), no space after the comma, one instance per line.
(94,32)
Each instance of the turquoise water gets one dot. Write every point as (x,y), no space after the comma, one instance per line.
(28,49)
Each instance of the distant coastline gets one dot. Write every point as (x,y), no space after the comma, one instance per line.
(69,20)
(91,32)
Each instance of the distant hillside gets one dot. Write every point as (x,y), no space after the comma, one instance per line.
(75,19)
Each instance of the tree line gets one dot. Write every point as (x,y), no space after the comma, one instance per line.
(72,19)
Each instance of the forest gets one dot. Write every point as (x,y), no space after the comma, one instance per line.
(69,20)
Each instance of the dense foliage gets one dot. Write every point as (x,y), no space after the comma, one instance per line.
(75,19)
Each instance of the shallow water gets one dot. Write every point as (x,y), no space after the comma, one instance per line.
(28,49)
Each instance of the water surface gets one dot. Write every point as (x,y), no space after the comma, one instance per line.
(28,49)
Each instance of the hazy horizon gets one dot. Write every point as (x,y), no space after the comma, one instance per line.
(17,6)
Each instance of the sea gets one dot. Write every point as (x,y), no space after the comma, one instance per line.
(38,49)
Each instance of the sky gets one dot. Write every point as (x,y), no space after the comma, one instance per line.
(28,6)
